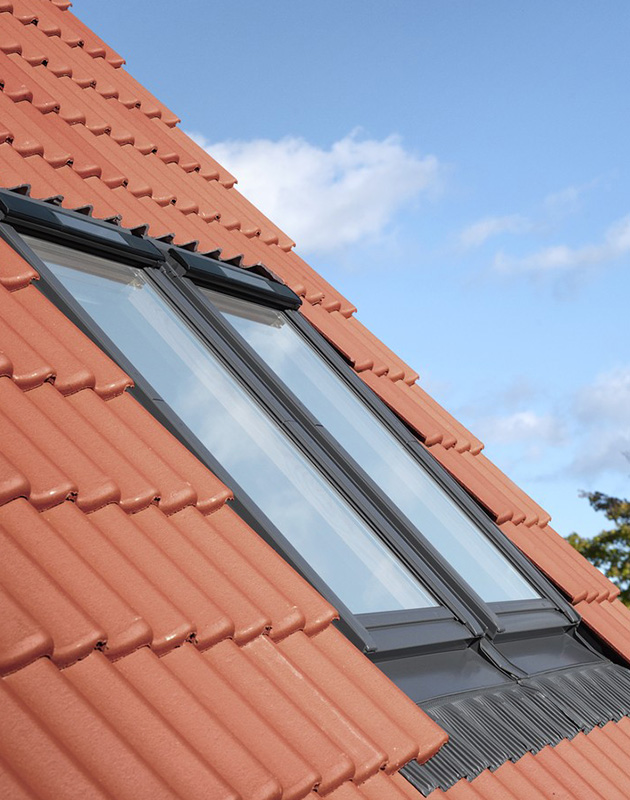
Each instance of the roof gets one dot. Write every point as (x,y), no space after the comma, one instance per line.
(127,669)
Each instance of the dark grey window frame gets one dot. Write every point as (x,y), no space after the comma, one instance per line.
(463,621)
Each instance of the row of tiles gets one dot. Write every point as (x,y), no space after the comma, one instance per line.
(42,64)
(263,721)
(143,213)
(118,581)
(44,79)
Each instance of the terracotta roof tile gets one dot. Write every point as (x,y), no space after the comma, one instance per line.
(610,619)
(139,589)
(15,273)
(149,477)
(414,415)
(256,569)
(205,734)
(70,707)
(123,629)
(209,623)
(294,707)
(247,621)
(89,484)
(44,600)
(38,759)
(13,483)
(588,767)
(48,484)
(218,698)
(27,368)
(488,494)
(131,488)
(77,363)
(556,558)
(399,741)
(22,639)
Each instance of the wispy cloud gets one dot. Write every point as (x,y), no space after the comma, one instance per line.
(562,258)
(602,411)
(606,399)
(522,426)
(553,208)
(329,198)
(479,232)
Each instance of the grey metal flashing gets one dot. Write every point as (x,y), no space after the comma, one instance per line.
(493,726)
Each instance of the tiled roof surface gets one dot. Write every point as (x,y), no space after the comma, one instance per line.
(146,630)
(111,528)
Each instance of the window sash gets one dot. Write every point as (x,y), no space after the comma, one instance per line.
(365,439)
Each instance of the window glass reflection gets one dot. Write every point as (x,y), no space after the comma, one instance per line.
(376,450)
(337,544)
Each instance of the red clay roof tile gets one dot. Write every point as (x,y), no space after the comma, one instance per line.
(124,629)
(587,767)
(39,760)
(47,483)
(399,744)
(211,492)
(209,623)
(22,639)
(78,363)
(248,620)
(254,576)
(27,368)
(489,495)
(201,730)
(42,598)
(394,704)
(295,709)
(218,698)
(318,613)
(13,483)
(138,589)
(155,474)
(92,709)
(133,491)
(556,558)
(90,485)
(610,619)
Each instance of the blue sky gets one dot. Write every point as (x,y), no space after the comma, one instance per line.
(460,172)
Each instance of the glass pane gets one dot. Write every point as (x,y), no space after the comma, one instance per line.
(354,562)
(376,450)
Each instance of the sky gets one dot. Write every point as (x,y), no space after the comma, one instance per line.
(460,172)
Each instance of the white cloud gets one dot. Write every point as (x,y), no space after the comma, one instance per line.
(328,198)
(561,258)
(521,426)
(607,399)
(568,200)
(603,413)
(479,232)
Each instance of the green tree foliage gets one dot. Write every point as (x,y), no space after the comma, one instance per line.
(610,549)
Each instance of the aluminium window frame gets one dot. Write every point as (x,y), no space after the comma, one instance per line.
(448,625)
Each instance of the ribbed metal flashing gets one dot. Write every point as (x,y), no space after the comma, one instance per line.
(495,726)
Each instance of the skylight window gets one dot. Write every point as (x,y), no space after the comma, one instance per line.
(253,448)
(364,437)
(319,466)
